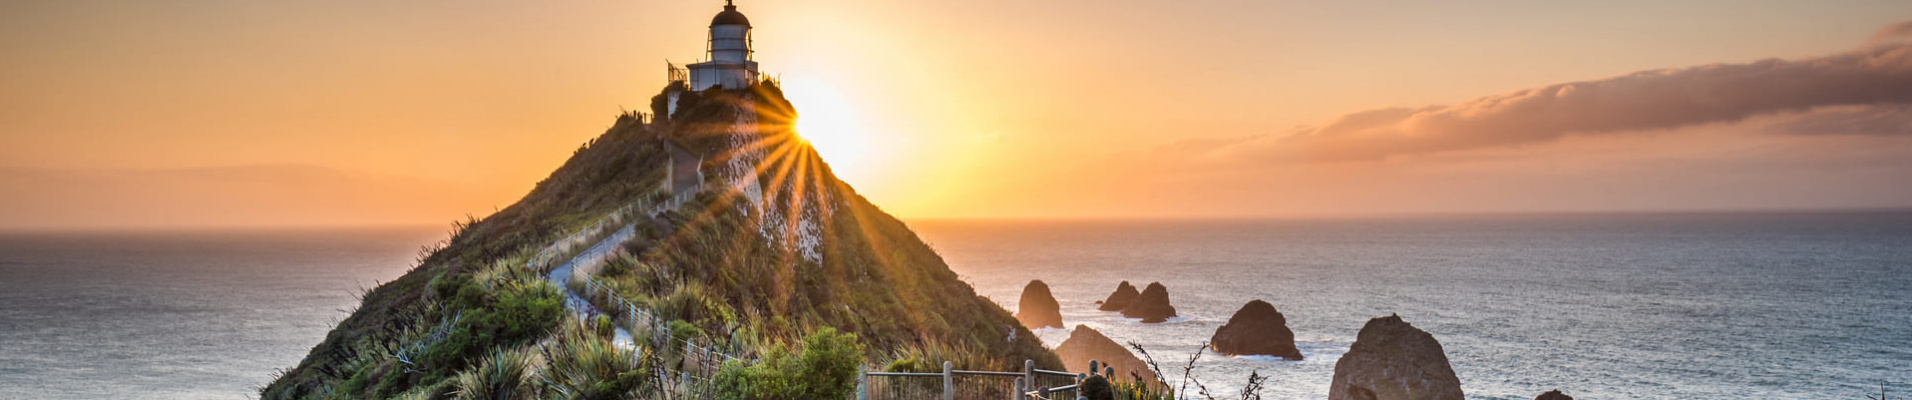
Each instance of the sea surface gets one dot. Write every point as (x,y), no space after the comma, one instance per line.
(1639,306)
(179,315)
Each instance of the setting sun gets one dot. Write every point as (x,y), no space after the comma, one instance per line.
(827,120)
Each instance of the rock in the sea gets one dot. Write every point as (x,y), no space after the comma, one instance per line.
(1086,344)
(1256,329)
(1391,360)
(1124,293)
(1553,395)
(1152,305)
(1038,308)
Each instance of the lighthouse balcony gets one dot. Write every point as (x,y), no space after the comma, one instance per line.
(723,75)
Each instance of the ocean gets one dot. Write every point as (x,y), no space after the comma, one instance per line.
(1631,306)
(1628,306)
(179,315)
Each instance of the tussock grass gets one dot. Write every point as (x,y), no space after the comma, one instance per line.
(503,375)
(584,365)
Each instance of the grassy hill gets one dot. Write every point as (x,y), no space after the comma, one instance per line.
(773,256)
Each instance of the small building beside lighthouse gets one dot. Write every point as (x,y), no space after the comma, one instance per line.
(731,65)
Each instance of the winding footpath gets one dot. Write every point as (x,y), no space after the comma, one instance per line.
(688,180)
(594,256)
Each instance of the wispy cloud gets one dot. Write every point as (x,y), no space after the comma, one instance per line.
(1894,32)
(1876,120)
(1873,84)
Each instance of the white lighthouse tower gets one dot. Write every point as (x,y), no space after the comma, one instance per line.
(730,65)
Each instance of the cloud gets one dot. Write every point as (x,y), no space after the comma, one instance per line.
(1878,75)
(1894,32)
(1879,120)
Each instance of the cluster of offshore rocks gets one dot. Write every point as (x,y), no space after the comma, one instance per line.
(1389,359)
(1255,330)
(1039,309)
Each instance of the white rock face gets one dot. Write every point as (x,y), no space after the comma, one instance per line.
(786,189)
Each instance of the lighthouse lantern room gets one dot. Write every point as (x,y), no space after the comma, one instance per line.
(730,65)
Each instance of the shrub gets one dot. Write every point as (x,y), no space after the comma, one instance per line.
(682,331)
(825,367)
(460,291)
(585,366)
(929,357)
(521,312)
(527,310)
(504,375)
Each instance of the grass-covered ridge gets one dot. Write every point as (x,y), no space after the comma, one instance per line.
(763,268)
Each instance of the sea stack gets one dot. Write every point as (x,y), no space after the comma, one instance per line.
(1038,308)
(1151,306)
(1391,360)
(1086,344)
(1553,395)
(1124,294)
(1257,329)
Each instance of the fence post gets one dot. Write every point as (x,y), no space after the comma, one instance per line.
(1020,389)
(862,383)
(1028,376)
(949,381)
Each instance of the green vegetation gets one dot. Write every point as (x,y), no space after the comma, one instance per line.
(587,366)
(509,315)
(505,375)
(475,319)
(824,367)
(477,277)
(929,359)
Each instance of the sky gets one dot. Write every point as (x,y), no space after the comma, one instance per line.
(247,113)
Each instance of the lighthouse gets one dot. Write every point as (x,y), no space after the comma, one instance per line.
(731,65)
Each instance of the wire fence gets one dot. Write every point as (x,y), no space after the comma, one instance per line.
(569,246)
(1054,385)
(954,384)
(900,386)
(692,371)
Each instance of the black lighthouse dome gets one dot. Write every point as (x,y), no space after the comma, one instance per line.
(730,16)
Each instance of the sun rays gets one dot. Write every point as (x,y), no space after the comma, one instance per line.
(798,196)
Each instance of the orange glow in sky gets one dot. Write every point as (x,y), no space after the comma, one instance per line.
(425,111)
(830,123)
